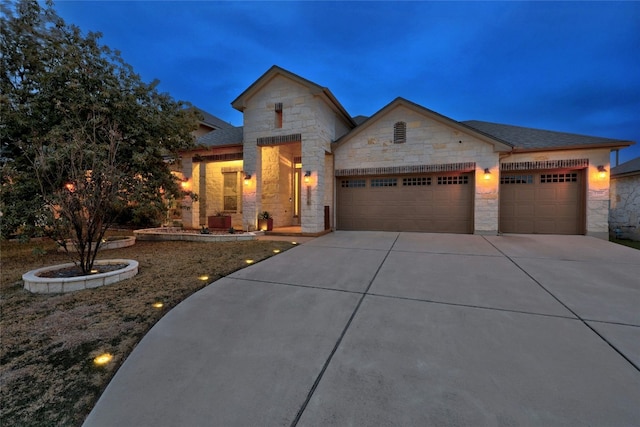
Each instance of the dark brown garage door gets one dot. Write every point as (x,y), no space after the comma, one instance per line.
(544,202)
(427,203)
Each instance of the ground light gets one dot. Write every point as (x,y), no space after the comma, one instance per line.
(249,261)
(203,277)
(276,251)
(103,359)
(157,304)
(294,243)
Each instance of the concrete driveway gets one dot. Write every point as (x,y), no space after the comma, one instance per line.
(398,329)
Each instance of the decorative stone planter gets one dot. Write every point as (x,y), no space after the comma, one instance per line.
(109,243)
(33,282)
(173,233)
(219,222)
(265,224)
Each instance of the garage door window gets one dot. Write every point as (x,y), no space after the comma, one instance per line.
(516,179)
(352,183)
(421,180)
(449,180)
(384,182)
(558,177)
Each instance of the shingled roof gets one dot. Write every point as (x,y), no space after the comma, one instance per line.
(523,138)
(631,167)
(213,121)
(221,137)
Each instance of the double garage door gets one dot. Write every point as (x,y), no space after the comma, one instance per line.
(544,202)
(428,203)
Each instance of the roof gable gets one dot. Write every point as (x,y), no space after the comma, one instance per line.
(240,102)
(498,144)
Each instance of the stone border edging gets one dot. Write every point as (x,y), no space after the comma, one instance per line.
(109,244)
(50,285)
(168,234)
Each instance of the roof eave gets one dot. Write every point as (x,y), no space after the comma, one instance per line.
(625,175)
(211,147)
(609,145)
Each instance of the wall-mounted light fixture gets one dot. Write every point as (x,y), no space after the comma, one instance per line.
(247,178)
(184,183)
(487,173)
(602,172)
(307,177)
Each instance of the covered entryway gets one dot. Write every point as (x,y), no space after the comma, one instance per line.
(542,202)
(436,203)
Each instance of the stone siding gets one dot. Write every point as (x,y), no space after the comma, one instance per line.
(625,207)
(303,113)
(428,142)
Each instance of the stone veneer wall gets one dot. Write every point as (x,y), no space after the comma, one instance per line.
(206,181)
(277,182)
(625,207)
(189,215)
(303,113)
(428,142)
(597,189)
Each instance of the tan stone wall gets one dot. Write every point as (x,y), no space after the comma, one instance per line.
(206,181)
(428,142)
(303,113)
(187,203)
(597,189)
(625,207)
(278,182)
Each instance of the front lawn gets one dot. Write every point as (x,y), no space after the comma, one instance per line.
(631,243)
(47,374)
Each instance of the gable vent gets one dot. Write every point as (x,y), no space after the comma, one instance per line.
(399,132)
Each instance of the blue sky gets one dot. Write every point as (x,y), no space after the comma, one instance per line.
(564,66)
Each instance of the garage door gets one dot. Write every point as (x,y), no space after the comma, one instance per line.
(427,203)
(544,202)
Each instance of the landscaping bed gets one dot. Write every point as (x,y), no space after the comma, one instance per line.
(49,341)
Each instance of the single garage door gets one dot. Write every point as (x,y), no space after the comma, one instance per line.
(427,203)
(544,202)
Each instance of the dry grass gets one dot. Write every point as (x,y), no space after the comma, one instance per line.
(49,341)
(631,243)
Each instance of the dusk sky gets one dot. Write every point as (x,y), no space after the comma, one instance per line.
(563,66)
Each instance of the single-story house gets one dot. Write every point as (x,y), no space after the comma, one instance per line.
(300,156)
(624,215)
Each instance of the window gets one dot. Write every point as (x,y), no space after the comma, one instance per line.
(230,192)
(516,179)
(419,180)
(384,182)
(399,133)
(352,183)
(278,109)
(558,177)
(453,180)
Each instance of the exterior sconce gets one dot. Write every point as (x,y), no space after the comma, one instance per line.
(247,179)
(185,184)
(602,172)
(307,177)
(487,174)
